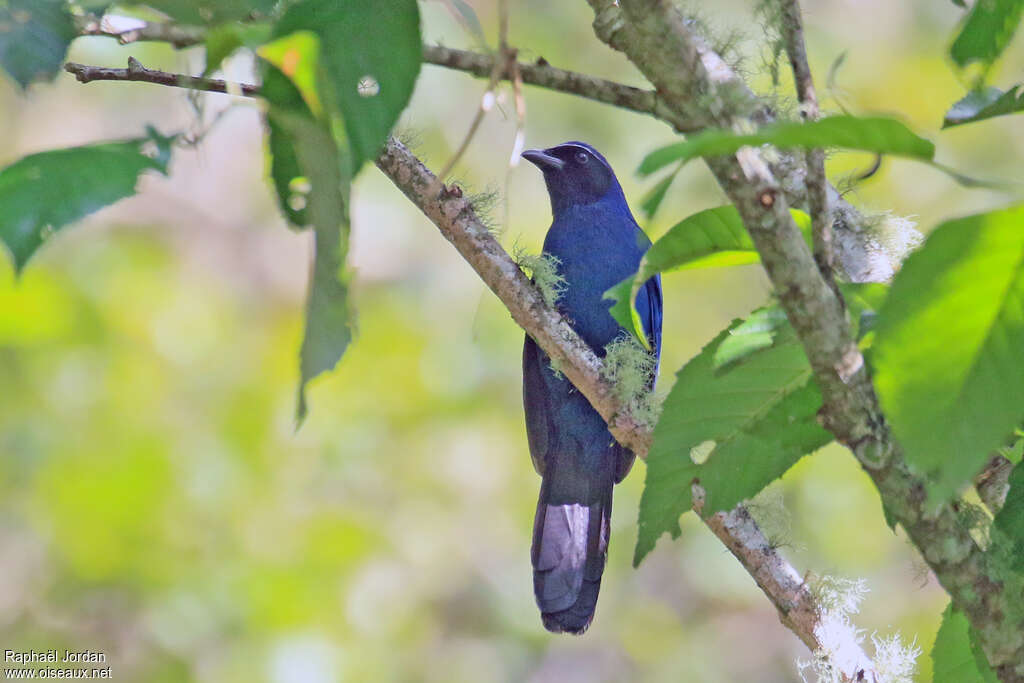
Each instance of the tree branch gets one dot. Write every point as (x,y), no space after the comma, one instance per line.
(136,72)
(817,183)
(658,41)
(455,218)
(857,251)
(127,30)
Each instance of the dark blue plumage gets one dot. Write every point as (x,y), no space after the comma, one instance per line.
(598,244)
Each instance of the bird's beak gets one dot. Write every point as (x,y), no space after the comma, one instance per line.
(543,160)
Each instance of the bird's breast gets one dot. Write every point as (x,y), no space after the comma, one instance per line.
(596,250)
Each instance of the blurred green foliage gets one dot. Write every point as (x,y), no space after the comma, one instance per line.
(157,504)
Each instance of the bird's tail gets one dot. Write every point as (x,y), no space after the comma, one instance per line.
(570,543)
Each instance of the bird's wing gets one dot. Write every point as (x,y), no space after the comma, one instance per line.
(653,330)
(535,404)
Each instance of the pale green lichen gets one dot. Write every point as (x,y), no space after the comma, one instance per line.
(629,367)
(768,508)
(484,204)
(543,270)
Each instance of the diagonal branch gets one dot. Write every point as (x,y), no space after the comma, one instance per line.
(799,609)
(656,39)
(455,218)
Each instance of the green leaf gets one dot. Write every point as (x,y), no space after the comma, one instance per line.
(709,238)
(223,40)
(1015,451)
(759,413)
(34,36)
(753,334)
(371,53)
(987,31)
(987,103)
(947,353)
(868,134)
(956,655)
(206,12)
(290,183)
(1010,520)
(324,167)
(653,199)
(42,193)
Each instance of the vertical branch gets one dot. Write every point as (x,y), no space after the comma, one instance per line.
(817,184)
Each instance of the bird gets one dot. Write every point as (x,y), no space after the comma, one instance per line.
(596,243)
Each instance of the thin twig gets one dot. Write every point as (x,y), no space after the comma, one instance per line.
(138,73)
(487,100)
(856,252)
(817,183)
(140,31)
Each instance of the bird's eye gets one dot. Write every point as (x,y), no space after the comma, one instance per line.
(582,157)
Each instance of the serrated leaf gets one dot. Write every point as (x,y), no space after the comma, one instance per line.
(868,134)
(955,655)
(759,412)
(42,193)
(947,352)
(34,37)
(710,238)
(753,334)
(321,162)
(1010,520)
(371,53)
(986,103)
(206,12)
(987,31)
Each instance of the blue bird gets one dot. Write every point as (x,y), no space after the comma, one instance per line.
(597,243)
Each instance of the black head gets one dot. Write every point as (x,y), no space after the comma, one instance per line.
(575,173)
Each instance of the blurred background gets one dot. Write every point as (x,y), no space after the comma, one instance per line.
(158,505)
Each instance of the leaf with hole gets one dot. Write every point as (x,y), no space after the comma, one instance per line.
(290,184)
(757,416)
(947,351)
(986,103)
(311,151)
(34,37)
(867,134)
(370,53)
(42,193)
